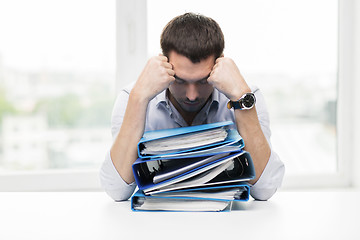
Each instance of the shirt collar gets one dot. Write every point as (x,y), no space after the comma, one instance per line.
(162,99)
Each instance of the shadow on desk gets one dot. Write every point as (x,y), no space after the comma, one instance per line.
(254,205)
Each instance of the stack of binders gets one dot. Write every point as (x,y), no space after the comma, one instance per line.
(197,168)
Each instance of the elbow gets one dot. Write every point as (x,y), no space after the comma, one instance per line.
(262,194)
(117,195)
(267,186)
(117,190)
(112,183)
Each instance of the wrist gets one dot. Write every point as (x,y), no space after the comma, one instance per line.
(246,102)
(239,93)
(138,97)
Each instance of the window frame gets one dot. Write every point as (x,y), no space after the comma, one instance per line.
(131,51)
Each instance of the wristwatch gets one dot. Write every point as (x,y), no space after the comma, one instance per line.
(247,101)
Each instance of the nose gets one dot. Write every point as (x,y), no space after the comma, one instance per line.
(192,92)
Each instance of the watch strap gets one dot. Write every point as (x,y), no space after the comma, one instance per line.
(239,103)
(234,104)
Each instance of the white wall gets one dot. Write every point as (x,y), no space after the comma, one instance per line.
(131,50)
(356,92)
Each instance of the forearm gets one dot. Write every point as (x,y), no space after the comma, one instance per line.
(124,149)
(255,142)
(155,77)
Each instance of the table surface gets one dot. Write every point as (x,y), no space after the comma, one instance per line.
(93,215)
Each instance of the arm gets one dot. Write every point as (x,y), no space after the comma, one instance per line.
(255,142)
(156,77)
(226,78)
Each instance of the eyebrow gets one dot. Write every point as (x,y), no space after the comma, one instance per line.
(199,80)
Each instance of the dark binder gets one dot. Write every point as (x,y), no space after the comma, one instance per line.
(240,162)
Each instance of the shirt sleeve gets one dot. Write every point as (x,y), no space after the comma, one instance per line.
(270,179)
(110,179)
(272,176)
(112,182)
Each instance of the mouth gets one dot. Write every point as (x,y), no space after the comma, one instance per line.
(191,103)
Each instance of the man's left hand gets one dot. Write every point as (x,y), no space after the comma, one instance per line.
(226,77)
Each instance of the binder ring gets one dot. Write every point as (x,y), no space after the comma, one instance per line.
(237,164)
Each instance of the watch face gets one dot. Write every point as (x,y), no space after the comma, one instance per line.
(248,101)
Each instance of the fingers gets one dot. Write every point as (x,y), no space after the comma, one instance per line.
(169,69)
(167,65)
(214,69)
(217,62)
(219,58)
(162,57)
(170,72)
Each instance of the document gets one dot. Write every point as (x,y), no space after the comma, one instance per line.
(185,141)
(201,199)
(197,177)
(226,194)
(183,166)
(197,180)
(226,148)
(179,205)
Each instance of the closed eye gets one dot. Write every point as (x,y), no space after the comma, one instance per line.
(203,81)
(179,81)
(183,81)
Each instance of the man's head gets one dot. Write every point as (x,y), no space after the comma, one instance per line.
(194,36)
(192,43)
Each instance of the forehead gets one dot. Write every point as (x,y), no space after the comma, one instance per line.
(185,69)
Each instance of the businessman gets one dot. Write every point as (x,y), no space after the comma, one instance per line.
(190,83)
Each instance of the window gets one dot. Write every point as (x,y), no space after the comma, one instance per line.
(57,78)
(288,48)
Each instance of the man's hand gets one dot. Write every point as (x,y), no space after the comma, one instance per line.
(156,77)
(226,77)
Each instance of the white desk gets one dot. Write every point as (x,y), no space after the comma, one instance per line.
(74,215)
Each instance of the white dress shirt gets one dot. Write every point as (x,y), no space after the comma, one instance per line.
(161,114)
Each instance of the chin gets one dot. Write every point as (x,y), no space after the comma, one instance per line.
(191,109)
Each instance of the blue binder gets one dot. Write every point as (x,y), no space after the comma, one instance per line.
(233,139)
(170,201)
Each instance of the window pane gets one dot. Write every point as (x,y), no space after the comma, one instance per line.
(57,75)
(289,50)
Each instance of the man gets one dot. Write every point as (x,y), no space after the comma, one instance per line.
(191,83)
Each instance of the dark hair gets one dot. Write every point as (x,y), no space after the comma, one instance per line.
(193,36)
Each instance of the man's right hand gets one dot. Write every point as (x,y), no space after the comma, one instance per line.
(155,78)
